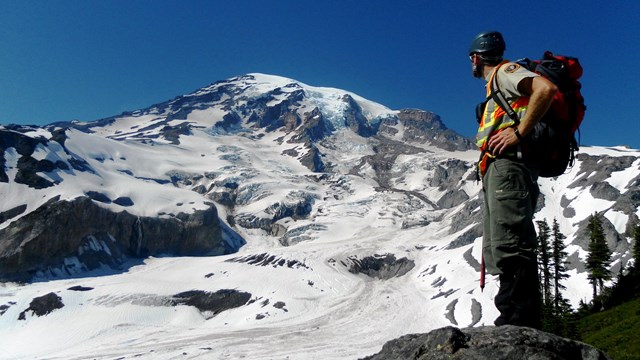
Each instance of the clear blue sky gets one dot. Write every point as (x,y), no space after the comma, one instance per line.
(63,60)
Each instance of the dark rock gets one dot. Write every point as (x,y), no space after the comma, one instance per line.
(99,197)
(280,305)
(381,266)
(43,239)
(43,305)
(212,303)
(59,135)
(172,133)
(28,168)
(452,198)
(467,238)
(4,178)
(604,190)
(296,210)
(80,288)
(272,117)
(290,152)
(596,169)
(123,201)
(386,153)
(200,189)
(568,211)
(266,259)
(448,174)
(299,233)
(473,262)
(251,221)
(314,128)
(230,122)
(426,127)
(486,343)
(80,165)
(628,202)
(5,307)
(11,213)
(469,214)
(313,160)
(356,121)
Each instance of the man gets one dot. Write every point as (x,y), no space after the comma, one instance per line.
(509,181)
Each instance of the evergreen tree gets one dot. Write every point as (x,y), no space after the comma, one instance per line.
(544,259)
(544,271)
(599,256)
(558,260)
(636,247)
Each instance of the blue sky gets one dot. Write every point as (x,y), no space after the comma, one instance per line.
(63,60)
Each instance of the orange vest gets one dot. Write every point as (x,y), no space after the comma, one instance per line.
(494,121)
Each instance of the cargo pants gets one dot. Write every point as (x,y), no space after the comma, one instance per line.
(510,241)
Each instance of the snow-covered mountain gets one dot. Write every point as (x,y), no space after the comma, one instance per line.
(262,218)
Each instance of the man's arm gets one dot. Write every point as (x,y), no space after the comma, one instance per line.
(541,92)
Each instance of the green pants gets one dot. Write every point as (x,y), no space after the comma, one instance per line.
(510,196)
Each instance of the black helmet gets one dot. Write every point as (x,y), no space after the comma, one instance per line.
(489,42)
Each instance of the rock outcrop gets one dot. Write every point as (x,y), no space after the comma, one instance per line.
(486,343)
(382,267)
(427,127)
(67,237)
(211,303)
(43,305)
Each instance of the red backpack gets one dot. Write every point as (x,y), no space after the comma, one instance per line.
(552,143)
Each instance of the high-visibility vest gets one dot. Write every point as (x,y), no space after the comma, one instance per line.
(494,121)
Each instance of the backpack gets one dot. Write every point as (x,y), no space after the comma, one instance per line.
(552,143)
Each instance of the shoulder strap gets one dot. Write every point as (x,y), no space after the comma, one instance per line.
(500,99)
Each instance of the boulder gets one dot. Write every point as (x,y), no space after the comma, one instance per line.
(486,343)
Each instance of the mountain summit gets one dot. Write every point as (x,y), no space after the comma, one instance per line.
(265,218)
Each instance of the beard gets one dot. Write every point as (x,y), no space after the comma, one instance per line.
(476,69)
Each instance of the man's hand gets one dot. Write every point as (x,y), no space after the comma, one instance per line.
(503,140)
(541,92)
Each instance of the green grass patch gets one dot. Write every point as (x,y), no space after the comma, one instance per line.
(615,331)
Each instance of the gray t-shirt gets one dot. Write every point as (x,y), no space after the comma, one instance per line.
(508,77)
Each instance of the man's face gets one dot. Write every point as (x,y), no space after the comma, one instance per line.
(476,66)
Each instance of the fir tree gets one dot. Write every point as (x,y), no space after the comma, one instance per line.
(636,247)
(544,260)
(544,267)
(559,255)
(599,256)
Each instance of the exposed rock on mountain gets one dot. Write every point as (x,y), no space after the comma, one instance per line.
(43,305)
(211,303)
(486,343)
(78,235)
(426,127)
(27,166)
(383,267)
(265,259)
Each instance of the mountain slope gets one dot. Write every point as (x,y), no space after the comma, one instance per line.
(334,217)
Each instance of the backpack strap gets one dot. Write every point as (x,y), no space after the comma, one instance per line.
(498,96)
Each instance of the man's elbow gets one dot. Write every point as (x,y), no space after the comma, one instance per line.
(549,90)
(545,88)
